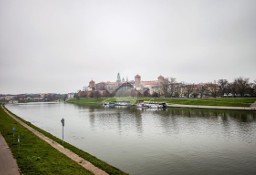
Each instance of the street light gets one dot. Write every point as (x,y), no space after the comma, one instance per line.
(63,124)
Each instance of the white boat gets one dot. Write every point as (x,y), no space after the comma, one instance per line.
(109,104)
(123,103)
(155,105)
(141,105)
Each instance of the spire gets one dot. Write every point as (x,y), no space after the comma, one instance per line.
(118,80)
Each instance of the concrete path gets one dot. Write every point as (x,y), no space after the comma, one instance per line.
(8,165)
(253,105)
(84,163)
(212,107)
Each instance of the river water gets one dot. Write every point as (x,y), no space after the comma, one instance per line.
(175,141)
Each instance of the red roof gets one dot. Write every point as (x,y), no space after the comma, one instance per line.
(150,82)
(101,83)
(111,83)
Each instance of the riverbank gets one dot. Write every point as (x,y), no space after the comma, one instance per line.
(35,156)
(211,103)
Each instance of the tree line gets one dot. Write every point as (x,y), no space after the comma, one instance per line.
(240,87)
(169,87)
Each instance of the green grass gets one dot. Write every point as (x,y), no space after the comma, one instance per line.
(87,101)
(33,155)
(97,162)
(92,101)
(235,102)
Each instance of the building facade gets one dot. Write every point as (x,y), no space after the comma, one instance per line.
(136,86)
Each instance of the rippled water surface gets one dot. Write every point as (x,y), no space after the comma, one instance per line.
(175,141)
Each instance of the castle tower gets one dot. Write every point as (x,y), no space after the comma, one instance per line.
(160,79)
(91,85)
(137,82)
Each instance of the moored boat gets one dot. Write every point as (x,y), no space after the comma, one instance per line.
(109,104)
(154,105)
(123,103)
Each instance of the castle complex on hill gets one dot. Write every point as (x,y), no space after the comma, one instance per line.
(132,88)
(168,88)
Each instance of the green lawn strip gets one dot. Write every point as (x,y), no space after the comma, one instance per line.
(86,100)
(235,102)
(34,156)
(95,161)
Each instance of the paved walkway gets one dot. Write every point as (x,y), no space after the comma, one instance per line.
(84,163)
(8,165)
(212,107)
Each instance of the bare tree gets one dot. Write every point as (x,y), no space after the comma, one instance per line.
(231,89)
(96,94)
(242,85)
(251,89)
(189,89)
(164,87)
(172,86)
(178,89)
(213,88)
(201,90)
(223,86)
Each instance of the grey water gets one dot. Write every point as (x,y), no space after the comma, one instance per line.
(152,142)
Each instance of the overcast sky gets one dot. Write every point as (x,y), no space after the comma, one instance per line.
(60,45)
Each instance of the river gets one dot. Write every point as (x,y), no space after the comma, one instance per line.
(148,142)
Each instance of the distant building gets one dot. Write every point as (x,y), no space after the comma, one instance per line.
(91,85)
(137,84)
(100,86)
(70,95)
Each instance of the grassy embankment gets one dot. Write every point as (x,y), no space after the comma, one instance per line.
(34,156)
(235,102)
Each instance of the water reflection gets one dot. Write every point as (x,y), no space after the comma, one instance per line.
(127,118)
(241,116)
(138,119)
(118,114)
(92,117)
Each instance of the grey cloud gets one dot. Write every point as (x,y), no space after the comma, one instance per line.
(59,46)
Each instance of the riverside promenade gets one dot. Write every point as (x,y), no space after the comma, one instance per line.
(8,165)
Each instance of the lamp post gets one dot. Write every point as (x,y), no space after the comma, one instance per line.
(63,124)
